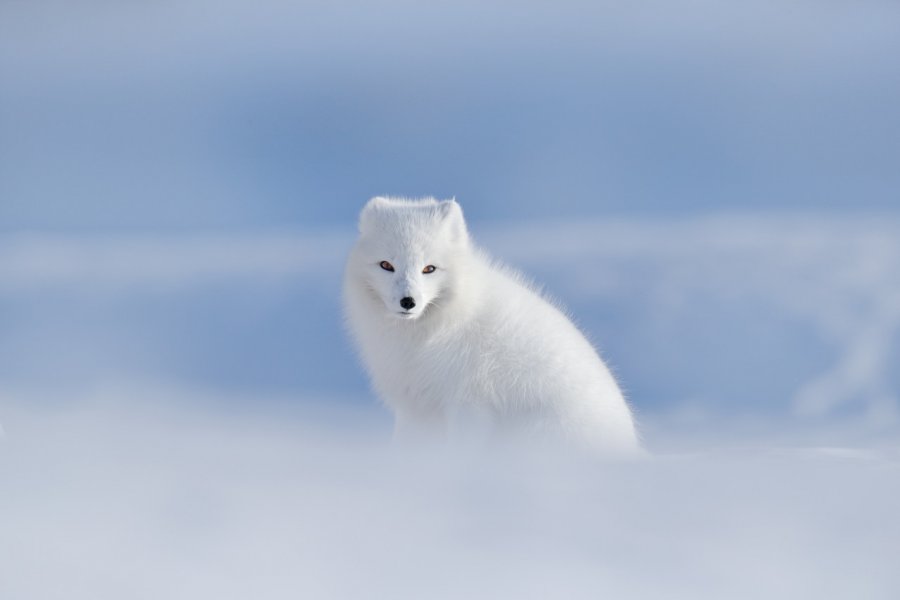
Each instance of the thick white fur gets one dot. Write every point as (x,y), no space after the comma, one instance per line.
(482,350)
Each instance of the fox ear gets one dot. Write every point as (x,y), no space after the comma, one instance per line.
(369,212)
(452,215)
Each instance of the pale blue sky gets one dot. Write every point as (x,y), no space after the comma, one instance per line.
(208,114)
(201,124)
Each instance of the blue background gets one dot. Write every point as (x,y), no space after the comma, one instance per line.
(710,188)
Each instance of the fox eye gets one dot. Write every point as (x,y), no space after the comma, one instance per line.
(429,269)
(386,265)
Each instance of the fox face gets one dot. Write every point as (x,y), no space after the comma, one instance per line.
(408,253)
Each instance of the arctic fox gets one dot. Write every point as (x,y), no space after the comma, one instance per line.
(454,341)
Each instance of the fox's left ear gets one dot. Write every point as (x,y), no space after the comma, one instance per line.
(370,212)
(452,215)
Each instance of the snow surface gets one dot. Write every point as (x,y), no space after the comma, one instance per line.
(151,494)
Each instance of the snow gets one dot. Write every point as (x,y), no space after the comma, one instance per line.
(710,188)
(151,493)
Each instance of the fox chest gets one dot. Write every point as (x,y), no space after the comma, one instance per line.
(425,374)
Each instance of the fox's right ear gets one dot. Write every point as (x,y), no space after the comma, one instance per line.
(370,212)
(453,219)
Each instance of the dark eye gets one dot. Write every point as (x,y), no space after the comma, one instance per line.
(386,265)
(429,269)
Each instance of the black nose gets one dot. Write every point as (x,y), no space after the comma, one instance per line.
(407,303)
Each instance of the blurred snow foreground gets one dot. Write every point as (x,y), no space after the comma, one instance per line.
(113,499)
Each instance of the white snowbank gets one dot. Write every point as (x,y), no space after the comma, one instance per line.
(132,497)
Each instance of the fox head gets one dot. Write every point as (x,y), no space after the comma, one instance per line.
(410,252)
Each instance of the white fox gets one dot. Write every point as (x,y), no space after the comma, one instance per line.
(454,342)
